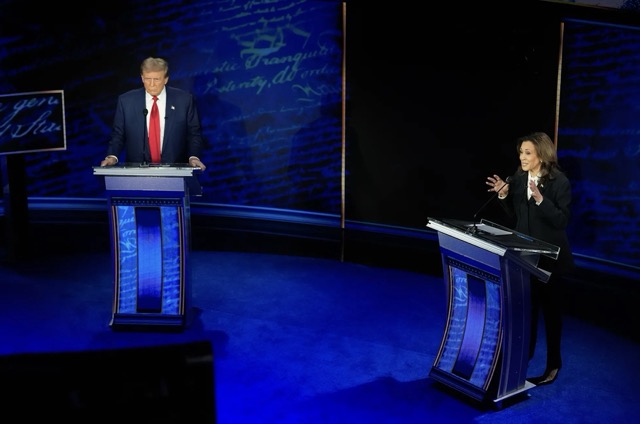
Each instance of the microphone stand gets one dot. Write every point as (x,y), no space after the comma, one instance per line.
(474,229)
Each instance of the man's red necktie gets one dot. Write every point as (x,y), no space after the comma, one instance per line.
(154,131)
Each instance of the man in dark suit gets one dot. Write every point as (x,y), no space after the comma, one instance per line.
(180,135)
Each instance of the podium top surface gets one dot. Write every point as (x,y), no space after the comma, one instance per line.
(130,177)
(493,236)
(147,170)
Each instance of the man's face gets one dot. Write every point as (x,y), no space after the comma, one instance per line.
(154,82)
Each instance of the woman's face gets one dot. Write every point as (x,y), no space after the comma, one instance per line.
(529,160)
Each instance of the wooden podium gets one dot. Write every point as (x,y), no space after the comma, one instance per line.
(150,231)
(484,351)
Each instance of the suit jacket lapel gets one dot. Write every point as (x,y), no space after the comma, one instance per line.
(168,118)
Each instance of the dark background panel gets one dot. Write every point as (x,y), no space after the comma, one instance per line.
(438,100)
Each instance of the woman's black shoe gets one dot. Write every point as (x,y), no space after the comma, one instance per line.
(547,378)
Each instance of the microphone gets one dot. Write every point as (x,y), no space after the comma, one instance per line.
(495,194)
(144,138)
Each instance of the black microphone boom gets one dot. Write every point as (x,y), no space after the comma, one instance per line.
(506,181)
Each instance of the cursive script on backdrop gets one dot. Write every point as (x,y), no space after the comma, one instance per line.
(32,121)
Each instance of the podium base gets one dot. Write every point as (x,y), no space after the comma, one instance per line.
(514,396)
(157,322)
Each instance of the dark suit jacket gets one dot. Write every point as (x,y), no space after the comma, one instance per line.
(182,133)
(547,221)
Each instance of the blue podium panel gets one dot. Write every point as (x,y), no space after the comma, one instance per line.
(150,253)
(471,343)
(150,238)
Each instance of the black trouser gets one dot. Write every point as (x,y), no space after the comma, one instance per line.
(545,297)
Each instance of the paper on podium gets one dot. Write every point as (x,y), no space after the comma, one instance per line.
(489,229)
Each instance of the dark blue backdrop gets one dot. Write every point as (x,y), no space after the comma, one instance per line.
(267,78)
(599,138)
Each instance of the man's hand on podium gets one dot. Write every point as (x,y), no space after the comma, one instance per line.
(195,163)
(109,161)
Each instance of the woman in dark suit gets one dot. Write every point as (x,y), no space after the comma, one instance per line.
(538,196)
(180,139)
